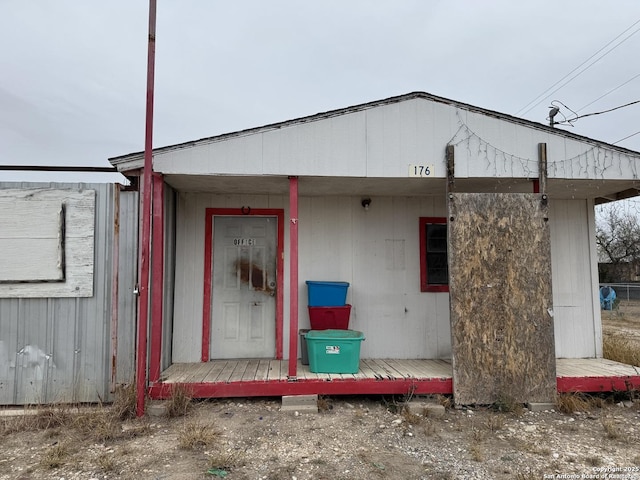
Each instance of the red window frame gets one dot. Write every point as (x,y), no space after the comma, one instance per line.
(425,286)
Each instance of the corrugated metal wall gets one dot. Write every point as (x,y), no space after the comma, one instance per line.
(60,349)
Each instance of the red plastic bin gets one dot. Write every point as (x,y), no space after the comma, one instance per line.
(324,318)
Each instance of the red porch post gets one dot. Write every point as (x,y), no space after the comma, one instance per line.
(145,243)
(293,277)
(157,277)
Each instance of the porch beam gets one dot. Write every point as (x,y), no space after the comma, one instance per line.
(308,387)
(157,277)
(293,277)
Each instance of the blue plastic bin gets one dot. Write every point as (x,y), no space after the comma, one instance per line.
(327,294)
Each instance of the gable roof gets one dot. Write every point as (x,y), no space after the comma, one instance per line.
(364,106)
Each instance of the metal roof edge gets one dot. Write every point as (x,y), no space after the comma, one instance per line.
(132,157)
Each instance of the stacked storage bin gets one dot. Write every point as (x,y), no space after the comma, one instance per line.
(327,305)
(331,346)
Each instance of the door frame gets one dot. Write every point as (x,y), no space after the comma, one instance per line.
(208,270)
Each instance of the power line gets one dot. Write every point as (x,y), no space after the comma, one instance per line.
(571,120)
(628,136)
(609,92)
(577,68)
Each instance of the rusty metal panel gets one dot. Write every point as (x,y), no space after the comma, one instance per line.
(501,302)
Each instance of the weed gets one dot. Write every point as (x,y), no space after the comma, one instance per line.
(593,461)
(195,435)
(529,474)
(620,349)
(477,434)
(410,418)
(226,460)
(610,428)
(55,456)
(124,403)
(99,425)
(494,423)
(573,402)
(533,447)
(106,462)
(429,428)
(446,402)
(179,404)
(477,453)
(636,460)
(324,404)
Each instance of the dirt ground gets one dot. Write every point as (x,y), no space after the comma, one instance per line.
(349,438)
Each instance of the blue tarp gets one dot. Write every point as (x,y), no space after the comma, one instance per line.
(607,296)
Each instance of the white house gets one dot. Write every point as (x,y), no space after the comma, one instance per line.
(353,195)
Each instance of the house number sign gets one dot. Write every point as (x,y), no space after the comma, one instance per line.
(421,170)
(244,242)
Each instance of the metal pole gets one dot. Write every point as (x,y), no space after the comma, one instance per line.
(143,299)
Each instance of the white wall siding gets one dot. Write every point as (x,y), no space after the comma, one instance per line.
(577,326)
(381,141)
(338,241)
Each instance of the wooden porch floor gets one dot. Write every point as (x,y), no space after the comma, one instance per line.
(228,371)
(229,378)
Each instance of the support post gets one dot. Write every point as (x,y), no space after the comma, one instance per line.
(115,278)
(542,168)
(293,278)
(145,220)
(157,277)
(451,177)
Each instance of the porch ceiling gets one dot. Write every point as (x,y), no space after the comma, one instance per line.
(603,190)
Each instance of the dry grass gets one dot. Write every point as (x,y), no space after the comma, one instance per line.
(54,457)
(477,452)
(124,404)
(593,461)
(429,428)
(620,349)
(179,404)
(611,429)
(411,418)
(226,460)
(576,402)
(197,435)
(494,423)
(446,402)
(324,404)
(106,462)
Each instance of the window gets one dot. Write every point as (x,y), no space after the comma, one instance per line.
(434,273)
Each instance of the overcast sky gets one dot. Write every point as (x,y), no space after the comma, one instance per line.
(73,72)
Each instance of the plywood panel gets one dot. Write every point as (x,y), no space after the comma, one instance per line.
(500,288)
(66,218)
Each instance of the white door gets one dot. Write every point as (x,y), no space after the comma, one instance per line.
(243,308)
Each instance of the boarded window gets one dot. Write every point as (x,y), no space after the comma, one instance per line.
(46,242)
(31,241)
(434,274)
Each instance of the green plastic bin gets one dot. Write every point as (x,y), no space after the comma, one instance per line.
(334,351)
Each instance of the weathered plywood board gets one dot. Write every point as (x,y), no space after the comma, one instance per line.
(31,240)
(500,293)
(46,265)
